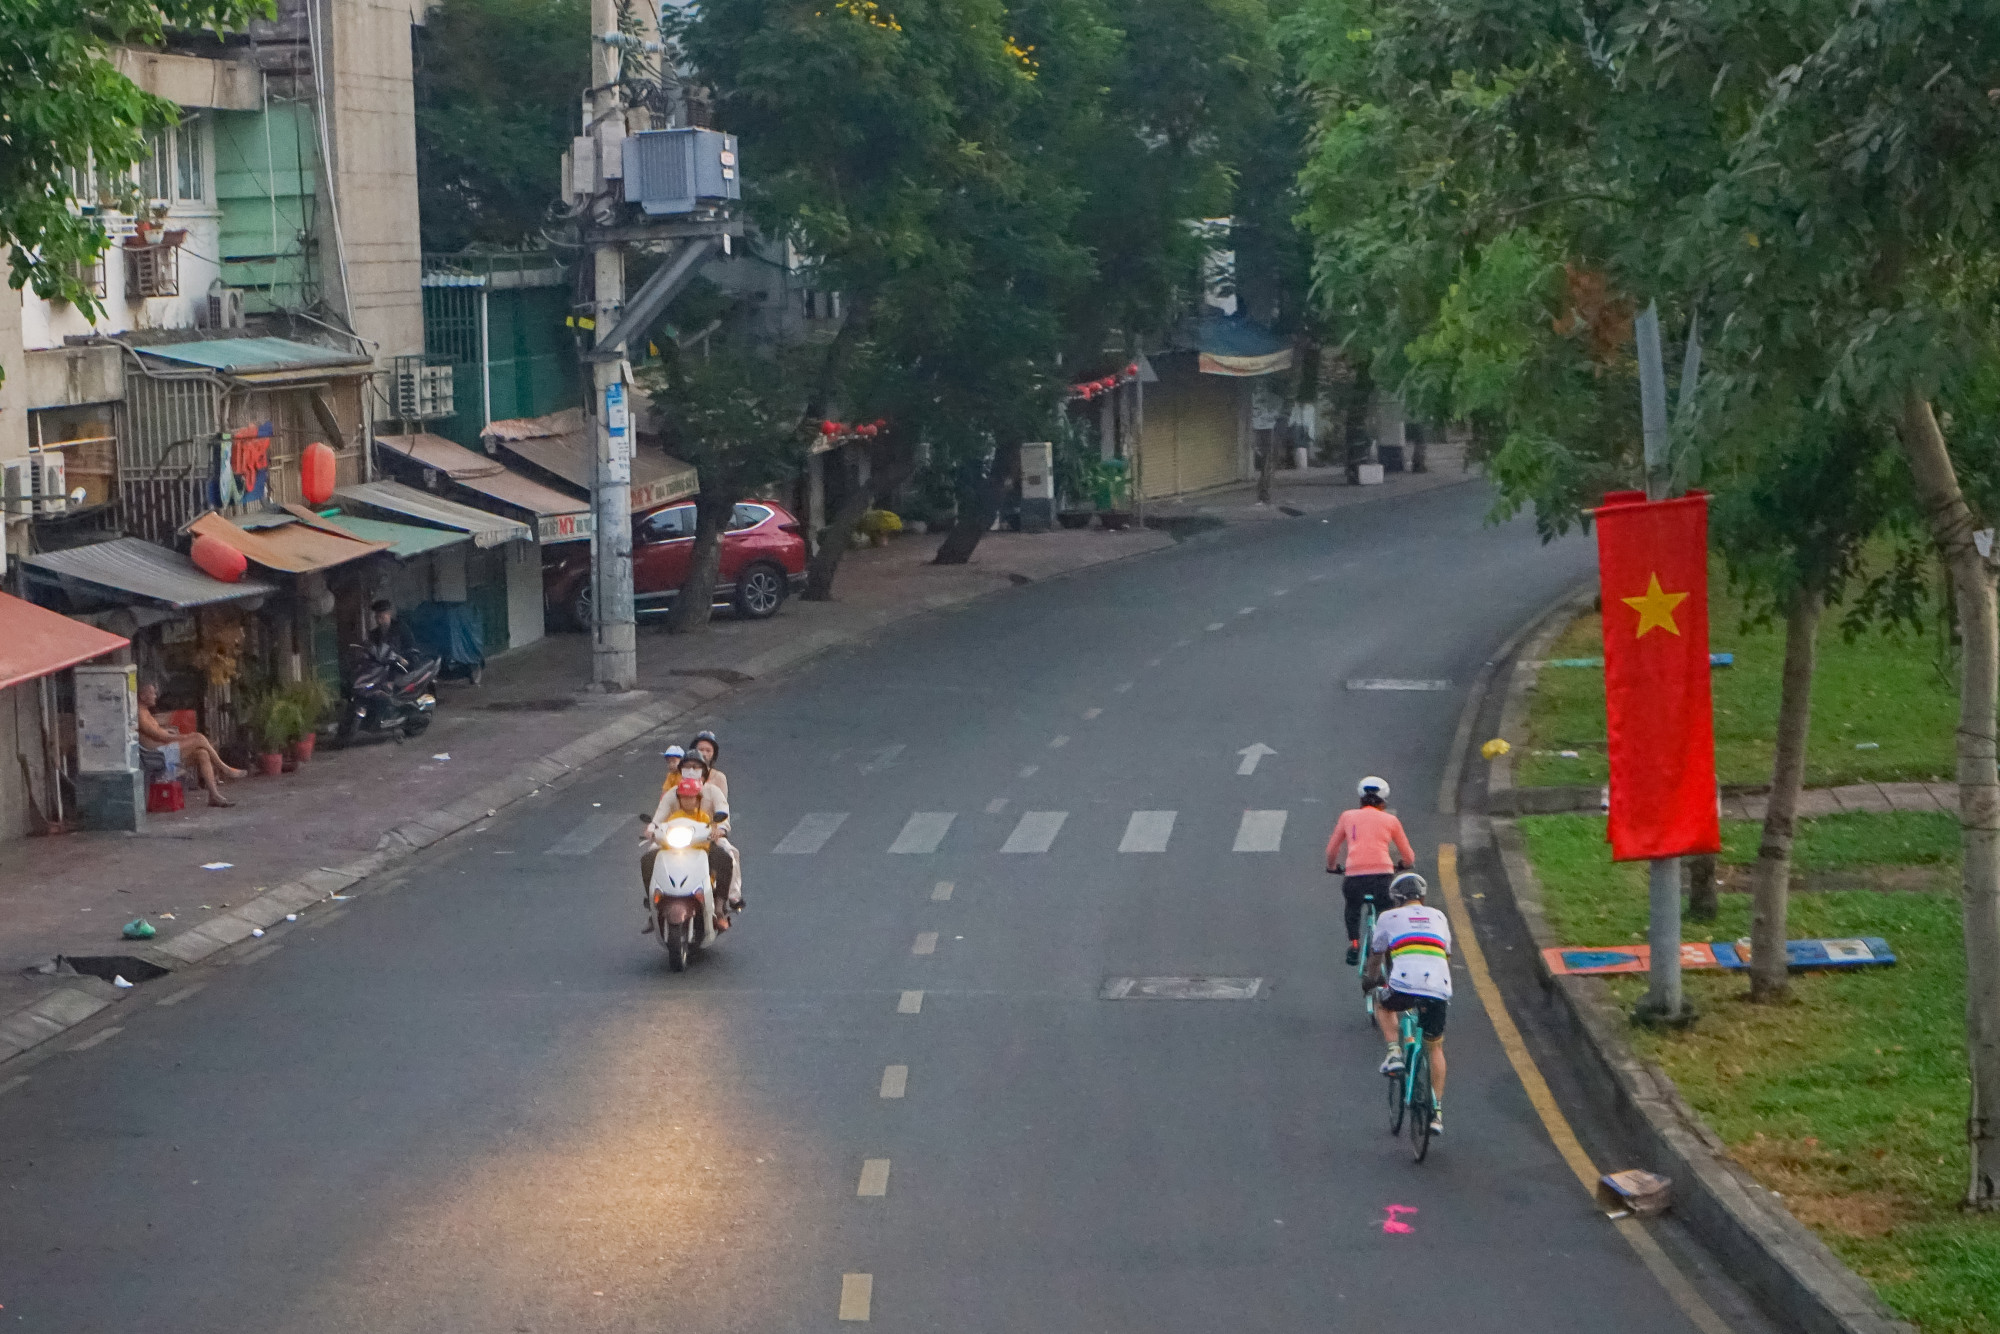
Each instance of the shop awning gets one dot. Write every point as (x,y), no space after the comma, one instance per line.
(267,361)
(562,444)
(35,641)
(131,567)
(484,527)
(295,548)
(405,539)
(559,517)
(1236,347)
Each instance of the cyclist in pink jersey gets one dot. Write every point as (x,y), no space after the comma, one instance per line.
(1376,848)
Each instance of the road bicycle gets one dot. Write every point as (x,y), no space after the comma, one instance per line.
(1410,1092)
(1361,960)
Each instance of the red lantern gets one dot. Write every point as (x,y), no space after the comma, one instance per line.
(829,428)
(217,559)
(316,473)
(868,430)
(1132,369)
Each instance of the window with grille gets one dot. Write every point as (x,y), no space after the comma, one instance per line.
(174,169)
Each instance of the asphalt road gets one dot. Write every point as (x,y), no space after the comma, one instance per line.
(474,1099)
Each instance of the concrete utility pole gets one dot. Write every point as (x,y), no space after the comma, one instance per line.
(614,662)
(1663,880)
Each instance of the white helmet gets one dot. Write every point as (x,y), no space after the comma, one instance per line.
(1407,886)
(1372,786)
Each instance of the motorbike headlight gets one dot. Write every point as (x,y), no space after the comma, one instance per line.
(679,836)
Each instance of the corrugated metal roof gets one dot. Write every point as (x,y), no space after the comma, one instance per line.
(247,356)
(657,479)
(132,566)
(405,539)
(488,476)
(35,641)
(296,548)
(487,530)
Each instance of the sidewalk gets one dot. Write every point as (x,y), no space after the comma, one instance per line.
(293,841)
(1310,492)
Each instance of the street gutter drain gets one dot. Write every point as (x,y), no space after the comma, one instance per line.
(1182,988)
(107,966)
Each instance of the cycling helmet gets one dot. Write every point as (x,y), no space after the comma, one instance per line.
(1372,786)
(1407,886)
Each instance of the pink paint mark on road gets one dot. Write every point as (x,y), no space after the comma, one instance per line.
(1394,1223)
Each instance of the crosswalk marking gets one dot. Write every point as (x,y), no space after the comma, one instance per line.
(1147,831)
(810,834)
(1035,832)
(923,832)
(1260,831)
(585,838)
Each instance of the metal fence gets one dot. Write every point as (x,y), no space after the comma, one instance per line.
(167,453)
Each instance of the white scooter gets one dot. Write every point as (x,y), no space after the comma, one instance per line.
(683,896)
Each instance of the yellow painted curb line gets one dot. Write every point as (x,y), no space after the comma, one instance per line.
(1691,1302)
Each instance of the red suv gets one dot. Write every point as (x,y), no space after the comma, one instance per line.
(763,559)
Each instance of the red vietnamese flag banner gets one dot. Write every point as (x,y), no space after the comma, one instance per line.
(1652,562)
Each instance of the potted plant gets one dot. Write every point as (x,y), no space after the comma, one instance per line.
(1114,492)
(1076,468)
(275,723)
(315,703)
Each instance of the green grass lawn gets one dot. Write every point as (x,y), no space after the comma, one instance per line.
(1850,1101)
(1880,688)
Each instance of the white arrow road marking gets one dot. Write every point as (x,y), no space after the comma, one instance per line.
(1252,753)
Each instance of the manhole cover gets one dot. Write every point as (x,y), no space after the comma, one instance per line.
(1181,988)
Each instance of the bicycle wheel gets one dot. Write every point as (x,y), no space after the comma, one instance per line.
(1420,1104)
(1399,1087)
(1361,965)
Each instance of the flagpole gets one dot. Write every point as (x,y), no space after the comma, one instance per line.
(1663,1002)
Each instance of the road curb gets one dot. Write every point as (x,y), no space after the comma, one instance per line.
(1752,1235)
(76,1002)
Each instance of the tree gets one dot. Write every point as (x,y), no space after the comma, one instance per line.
(68,118)
(1854,228)
(735,417)
(497,83)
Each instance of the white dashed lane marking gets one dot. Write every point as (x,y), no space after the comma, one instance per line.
(911,1002)
(1147,831)
(942,892)
(857,1291)
(926,943)
(1260,831)
(895,1080)
(586,837)
(923,832)
(874,1177)
(1036,831)
(810,834)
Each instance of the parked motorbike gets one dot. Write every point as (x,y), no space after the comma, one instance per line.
(683,895)
(384,692)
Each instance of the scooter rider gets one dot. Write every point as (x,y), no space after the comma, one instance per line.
(707,748)
(687,801)
(674,756)
(1376,849)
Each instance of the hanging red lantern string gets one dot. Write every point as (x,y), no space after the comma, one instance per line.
(1090,389)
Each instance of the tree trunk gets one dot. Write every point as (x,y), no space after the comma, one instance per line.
(1703,905)
(1267,466)
(1770,975)
(1952,526)
(977,511)
(695,602)
(832,538)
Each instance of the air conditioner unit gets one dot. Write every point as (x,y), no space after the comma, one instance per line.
(670,172)
(223,309)
(422,391)
(35,484)
(151,270)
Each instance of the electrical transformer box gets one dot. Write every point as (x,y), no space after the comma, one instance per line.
(670,172)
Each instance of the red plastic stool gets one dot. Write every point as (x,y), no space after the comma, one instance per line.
(165,795)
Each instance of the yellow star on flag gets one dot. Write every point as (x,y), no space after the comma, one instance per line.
(1655,608)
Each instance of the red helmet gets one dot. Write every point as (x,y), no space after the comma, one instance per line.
(688,787)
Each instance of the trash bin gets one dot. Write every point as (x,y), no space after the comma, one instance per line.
(1390,457)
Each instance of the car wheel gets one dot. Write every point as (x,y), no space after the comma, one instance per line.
(760,591)
(580,608)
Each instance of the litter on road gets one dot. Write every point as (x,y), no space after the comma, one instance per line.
(216,866)
(139,929)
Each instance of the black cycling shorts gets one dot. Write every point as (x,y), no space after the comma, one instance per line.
(1430,1010)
